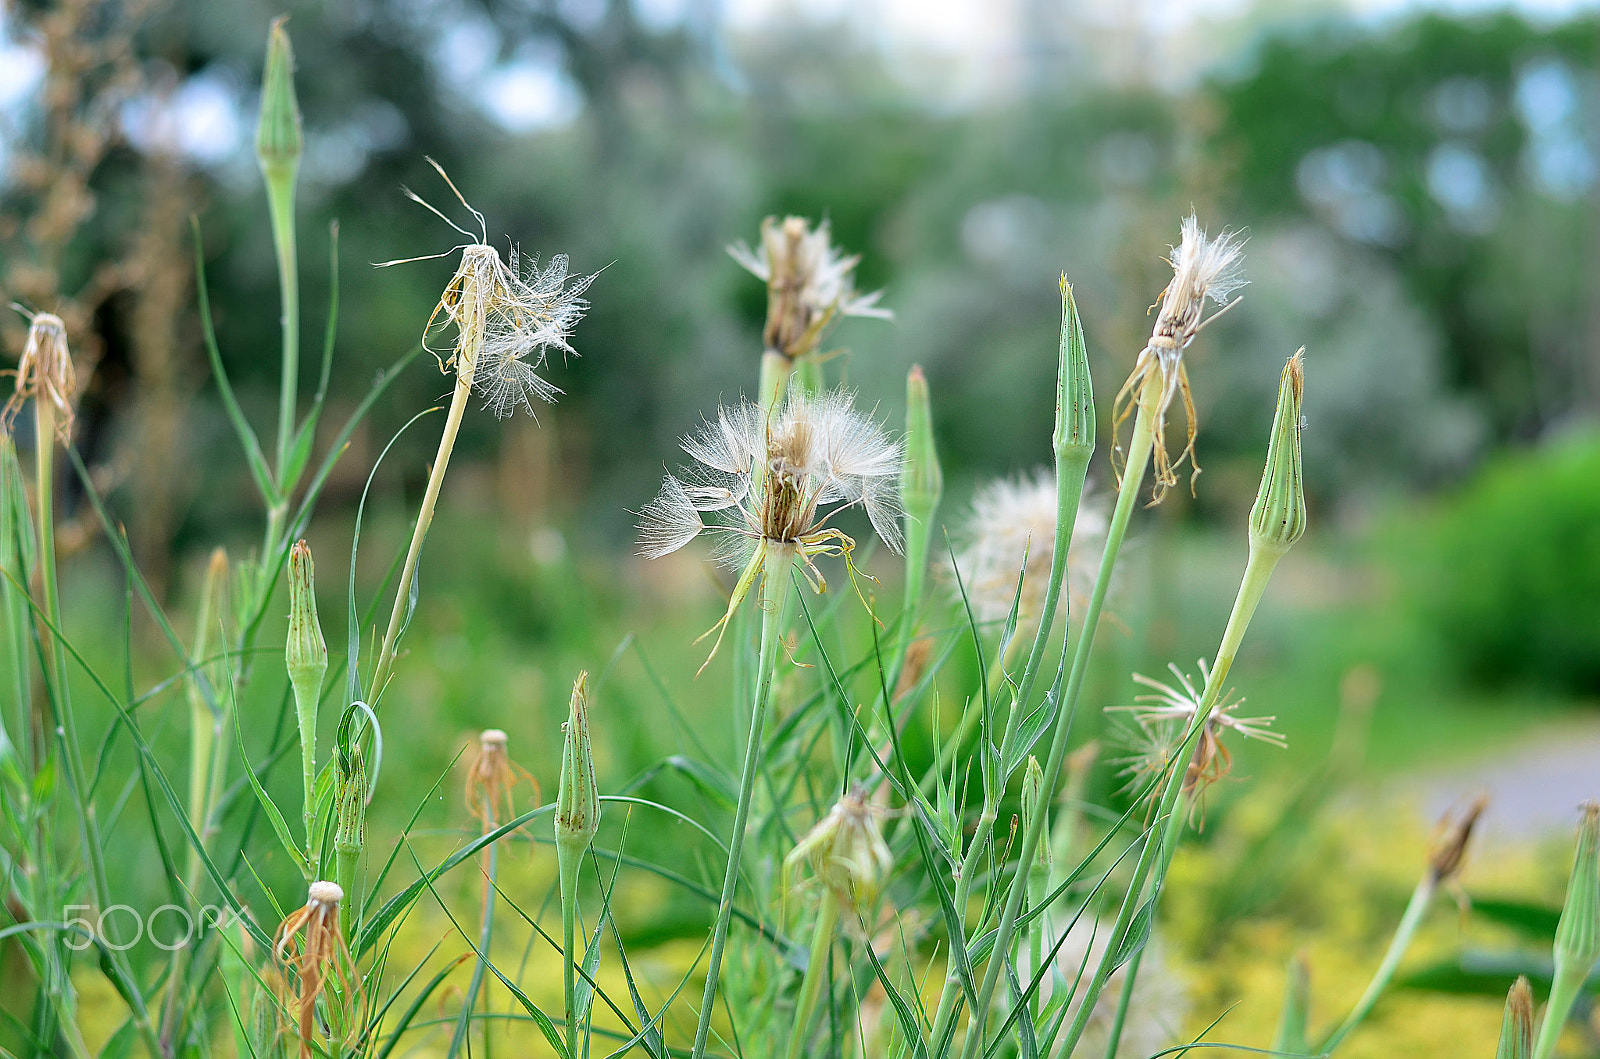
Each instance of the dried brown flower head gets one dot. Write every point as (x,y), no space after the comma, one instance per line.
(310,946)
(490,779)
(45,373)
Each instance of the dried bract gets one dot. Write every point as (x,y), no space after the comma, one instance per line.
(310,944)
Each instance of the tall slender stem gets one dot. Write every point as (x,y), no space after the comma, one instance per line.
(1421,897)
(816,972)
(441,461)
(280,204)
(776,587)
(569,863)
(1139,447)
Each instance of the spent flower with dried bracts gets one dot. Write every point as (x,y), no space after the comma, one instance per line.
(847,854)
(310,944)
(810,284)
(507,314)
(44,373)
(772,484)
(1202,268)
(491,775)
(1011,530)
(1164,716)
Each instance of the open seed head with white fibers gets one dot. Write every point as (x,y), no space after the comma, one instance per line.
(1202,268)
(1163,717)
(1011,530)
(770,486)
(507,314)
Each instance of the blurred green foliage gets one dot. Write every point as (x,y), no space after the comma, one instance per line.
(1505,572)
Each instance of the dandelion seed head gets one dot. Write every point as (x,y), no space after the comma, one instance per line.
(44,373)
(810,283)
(1202,268)
(1013,521)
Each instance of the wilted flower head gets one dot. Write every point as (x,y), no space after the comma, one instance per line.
(44,373)
(810,284)
(507,316)
(847,853)
(1163,718)
(1014,520)
(490,778)
(310,944)
(1201,268)
(772,485)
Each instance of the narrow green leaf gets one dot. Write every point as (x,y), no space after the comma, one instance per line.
(285,838)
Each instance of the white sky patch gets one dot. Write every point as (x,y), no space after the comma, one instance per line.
(202,120)
(530,94)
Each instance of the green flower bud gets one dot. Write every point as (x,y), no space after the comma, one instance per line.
(1578,933)
(1516,1031)
(1278,518)
(921,478)
(1034,802)
(279,139)
(350,804)
(1074,433)
(306,652)
(578,799)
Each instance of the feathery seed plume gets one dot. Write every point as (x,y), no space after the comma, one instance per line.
(1201,268)
(772,487)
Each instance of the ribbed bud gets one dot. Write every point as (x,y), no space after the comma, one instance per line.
(578,799)
(305,651)
(1278,518)
(350,804)
(921,477)
(1074,433)
(1516,1030)
(1035,802)
(279,139)
(1578,933)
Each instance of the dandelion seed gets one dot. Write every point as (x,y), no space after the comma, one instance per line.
(772,486)
(44,373)
(508,316)
(1011,529)
(1201,268)
(810,284)
(1163,718)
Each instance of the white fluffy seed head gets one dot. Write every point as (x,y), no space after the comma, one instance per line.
(816,453)
(323,892)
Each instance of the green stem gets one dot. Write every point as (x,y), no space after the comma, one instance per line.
(1421,897)
(776,587)
(816,972)
(949,1005)
(280,204)
(1139,446)
(486,935)
(569,861)
(430,498)
(1564,990)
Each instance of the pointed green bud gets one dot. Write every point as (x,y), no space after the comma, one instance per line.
(1578,933)
(578,799)
(1034,802)
(279,139)
(1278,518)
(306,652)
(921,477)
(1516,1031)
(350,804)
(1074,433)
